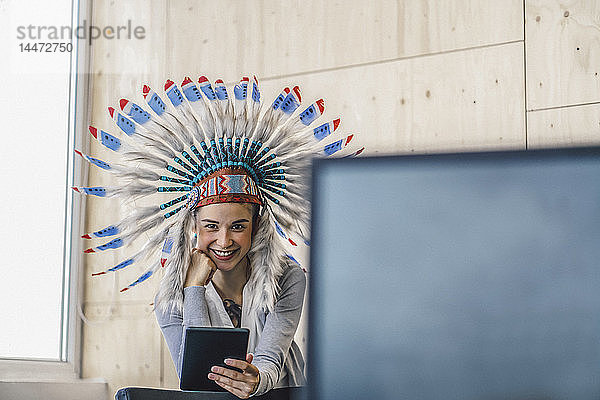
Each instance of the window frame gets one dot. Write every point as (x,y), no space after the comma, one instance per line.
(68,366)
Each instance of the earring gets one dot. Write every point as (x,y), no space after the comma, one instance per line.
(195,236)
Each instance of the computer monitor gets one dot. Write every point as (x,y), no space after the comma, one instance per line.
(461,276)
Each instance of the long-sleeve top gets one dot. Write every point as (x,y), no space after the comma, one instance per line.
(271,340)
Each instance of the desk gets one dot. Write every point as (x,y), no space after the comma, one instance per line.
(139,393)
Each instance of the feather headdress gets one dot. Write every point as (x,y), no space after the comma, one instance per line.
(206,147)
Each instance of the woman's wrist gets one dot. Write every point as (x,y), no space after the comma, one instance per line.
(193,280)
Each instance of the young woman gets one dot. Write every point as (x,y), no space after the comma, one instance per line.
(216,294)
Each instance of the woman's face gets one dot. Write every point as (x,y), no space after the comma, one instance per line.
(225,233)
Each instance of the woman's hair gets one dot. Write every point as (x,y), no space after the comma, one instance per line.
(255,214)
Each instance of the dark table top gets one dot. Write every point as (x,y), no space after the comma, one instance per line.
(141,393)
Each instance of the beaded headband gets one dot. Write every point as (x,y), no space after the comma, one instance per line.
(229,185)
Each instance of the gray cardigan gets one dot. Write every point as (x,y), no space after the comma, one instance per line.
(276,355)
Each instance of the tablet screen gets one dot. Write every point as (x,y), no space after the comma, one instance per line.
(206,347)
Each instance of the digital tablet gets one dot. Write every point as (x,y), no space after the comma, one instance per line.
(206,347)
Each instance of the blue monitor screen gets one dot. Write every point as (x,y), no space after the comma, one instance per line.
(466,276)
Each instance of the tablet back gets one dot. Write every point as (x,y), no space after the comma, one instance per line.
(205,347)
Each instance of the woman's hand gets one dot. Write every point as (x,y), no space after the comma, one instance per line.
(201,269)
(240,384)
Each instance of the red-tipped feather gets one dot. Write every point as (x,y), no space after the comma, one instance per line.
(219,81)
(348,139)
(111,111)
(168,84)
(86,236)
(123,103)
(321,105)
(93,131)
(202,79)
(75,189)
(124,289)
(292,242)
(90,250)
(99,273)
(296,90)
(78,152)
(145,90)
(245,79)
(359,151)
(286,90)
(336,123)
(186,80)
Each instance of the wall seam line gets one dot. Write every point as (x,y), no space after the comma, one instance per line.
(589,103)
(389,60)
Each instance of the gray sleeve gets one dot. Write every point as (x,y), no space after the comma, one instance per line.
(172,323)
(280,327)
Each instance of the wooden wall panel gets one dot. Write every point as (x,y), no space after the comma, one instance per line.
(119,68)
(121,340)
(471,100)
(563,52)
(122,345)
(271,39)
(229,38)
(459,101)
(570,126)
(431,26)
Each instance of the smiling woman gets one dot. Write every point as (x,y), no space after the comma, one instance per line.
(216,291)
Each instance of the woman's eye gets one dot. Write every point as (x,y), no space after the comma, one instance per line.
(210,226)
(238,227)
